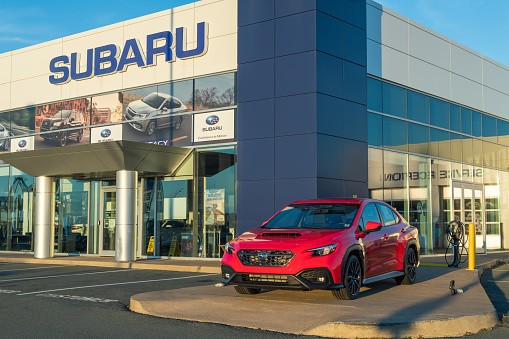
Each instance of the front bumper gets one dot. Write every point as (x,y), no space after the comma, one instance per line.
(307,279)
(139,125)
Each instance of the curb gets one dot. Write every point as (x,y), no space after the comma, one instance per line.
(133,265)
(454,327)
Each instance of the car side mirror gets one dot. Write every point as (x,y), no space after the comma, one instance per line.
(372,226)
(265,223)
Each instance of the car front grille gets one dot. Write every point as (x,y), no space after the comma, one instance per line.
(270,258)
(271,278)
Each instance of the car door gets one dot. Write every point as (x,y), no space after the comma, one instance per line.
(165,113)
(373,256)
(389,240)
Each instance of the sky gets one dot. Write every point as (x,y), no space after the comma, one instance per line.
(481,25)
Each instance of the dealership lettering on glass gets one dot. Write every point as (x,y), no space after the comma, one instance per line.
(105,60)
(443,174)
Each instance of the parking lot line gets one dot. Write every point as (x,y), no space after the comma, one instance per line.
(120,283)
(26,269)
(64,275)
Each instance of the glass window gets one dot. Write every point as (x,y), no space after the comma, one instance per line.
(439,113)
(369,213)
(440,205)
(456,151)
(503,131)
(214,92)
(419,176)
(395,134)
(395,181)
(490,154)
(374,95)
(440,143)
(23,121)
(387,215)
(477,151)
(503,157)
(418,139)
(476,124)
(489,127)
(5,132)
(394,100)
(468,155)
(375,173)
(455,118)
(374,129)
(182,94)
(466,121)
(418,107)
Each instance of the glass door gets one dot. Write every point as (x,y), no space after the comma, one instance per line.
(107,221)
(469,208)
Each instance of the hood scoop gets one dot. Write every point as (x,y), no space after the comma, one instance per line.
(287,235)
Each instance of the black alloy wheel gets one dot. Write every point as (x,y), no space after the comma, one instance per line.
(79,136)
(246,290)
(178,123)
(351,280)
(410,268)
(151,127)
(63,138)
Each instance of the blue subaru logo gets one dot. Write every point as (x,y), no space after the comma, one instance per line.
(105,133)
(22,143)
(212,120)
(262,256)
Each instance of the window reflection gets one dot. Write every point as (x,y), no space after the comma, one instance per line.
(418,139)
(214,92)
(439,113)
(418,107)
(394,100)
(395,134)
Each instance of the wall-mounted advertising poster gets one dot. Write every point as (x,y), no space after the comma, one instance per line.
(214,126)
(106,133)
(63,124)
(22,144)
(5,133)
(23,121)
(214,207)
(155,114)
(107,108)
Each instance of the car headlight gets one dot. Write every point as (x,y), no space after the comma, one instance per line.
(57,124)
(325,250)
(229,248)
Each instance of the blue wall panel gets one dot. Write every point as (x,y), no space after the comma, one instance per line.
(355,121)
(259,203)
(255,81)
(290,190)
(330,119)
(296,33)
(296,114)
(255,119)
(257,42)
(354,82)
(253,11)
(255,159)
(296,74)
(296,156)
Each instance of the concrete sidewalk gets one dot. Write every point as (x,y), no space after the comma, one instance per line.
(382,310)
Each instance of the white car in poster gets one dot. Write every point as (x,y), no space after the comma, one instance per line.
(154,111)
(4,138)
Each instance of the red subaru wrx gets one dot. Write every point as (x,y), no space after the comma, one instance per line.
(336,244)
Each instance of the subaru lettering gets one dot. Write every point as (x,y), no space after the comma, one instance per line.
(109,59)
(105,133)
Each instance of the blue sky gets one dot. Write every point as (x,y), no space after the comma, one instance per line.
(479,24)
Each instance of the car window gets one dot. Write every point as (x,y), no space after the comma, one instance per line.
(175,104)
(369,214)
(387,215)
(396,217)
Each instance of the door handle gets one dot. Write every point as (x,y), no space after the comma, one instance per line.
(386,236)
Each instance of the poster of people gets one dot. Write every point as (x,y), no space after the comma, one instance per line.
(214,207)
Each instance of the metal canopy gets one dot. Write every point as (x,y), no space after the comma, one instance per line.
(98,160)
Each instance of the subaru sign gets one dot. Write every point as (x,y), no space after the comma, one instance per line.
(212,120)
(110,59)
(105,133)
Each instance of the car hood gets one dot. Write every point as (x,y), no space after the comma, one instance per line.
(290,239)
(139,107)
(52,120)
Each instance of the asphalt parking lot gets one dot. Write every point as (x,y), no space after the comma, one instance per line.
(63,301)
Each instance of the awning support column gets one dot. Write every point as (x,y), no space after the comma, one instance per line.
(125,234)
(44,229)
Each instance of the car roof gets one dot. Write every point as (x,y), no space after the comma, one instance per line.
(333,200)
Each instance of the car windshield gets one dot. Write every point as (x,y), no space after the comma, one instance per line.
(320,216)
(153,100)
(62,115)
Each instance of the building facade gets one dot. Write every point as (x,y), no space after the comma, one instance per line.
(172,133)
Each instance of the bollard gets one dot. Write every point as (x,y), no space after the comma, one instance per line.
(471,246)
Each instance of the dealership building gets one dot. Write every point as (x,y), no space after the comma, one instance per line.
(170,134)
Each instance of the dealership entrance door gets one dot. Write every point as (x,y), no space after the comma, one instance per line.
(468,204)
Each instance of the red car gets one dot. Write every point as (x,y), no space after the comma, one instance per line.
(336,244)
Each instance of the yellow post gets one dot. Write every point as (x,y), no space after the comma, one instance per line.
(471,246)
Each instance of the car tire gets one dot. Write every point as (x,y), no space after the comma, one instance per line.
(178,123)
(410,268)
(79,136)
(351,280)
(63,138)
(151,127)
(246,290)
